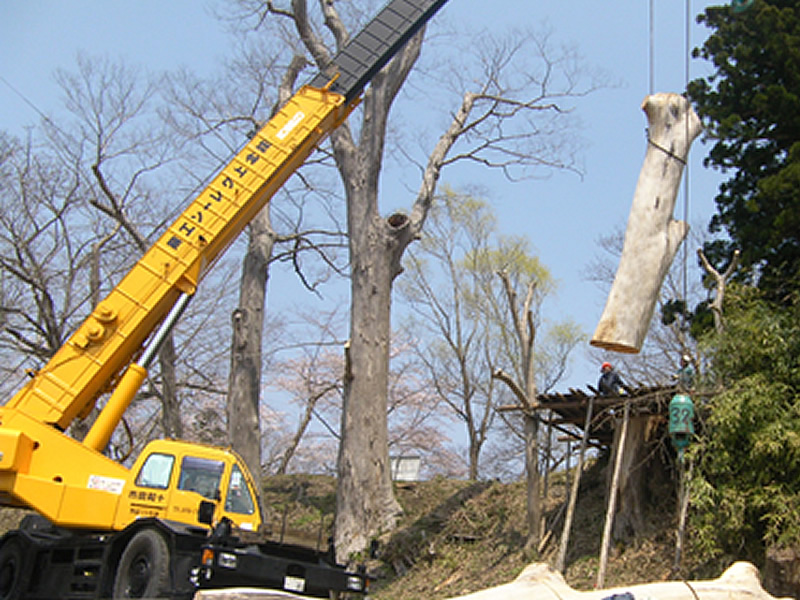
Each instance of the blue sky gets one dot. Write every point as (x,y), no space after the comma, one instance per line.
(563,215)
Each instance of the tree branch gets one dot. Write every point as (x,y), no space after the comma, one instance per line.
(515,389)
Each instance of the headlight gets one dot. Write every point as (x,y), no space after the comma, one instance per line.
(355,583)
(227,560)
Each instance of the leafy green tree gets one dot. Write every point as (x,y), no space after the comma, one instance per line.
(746,489)
(750,105)
(466,325)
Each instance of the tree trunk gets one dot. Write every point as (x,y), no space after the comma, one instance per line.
(244,386)
(291,448)
(533,506)
(365,502)
(782,570)
(629,519)
(244,380)
(170,412)
(653,236)
(720,281)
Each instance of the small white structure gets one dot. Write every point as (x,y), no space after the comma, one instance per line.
(405,468)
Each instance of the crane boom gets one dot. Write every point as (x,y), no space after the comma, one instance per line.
(93,358)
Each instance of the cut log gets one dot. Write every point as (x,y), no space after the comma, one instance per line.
(245,593)
(652,237)
(539,582)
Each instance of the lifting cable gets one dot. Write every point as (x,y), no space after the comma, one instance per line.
(687,52)
(651,87)
(683,476)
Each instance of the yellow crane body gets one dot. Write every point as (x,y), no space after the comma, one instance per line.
(40,466)
(165,525)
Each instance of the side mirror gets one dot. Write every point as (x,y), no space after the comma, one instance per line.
(205,512)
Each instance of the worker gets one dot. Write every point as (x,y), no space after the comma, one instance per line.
(610,383)
(685,374)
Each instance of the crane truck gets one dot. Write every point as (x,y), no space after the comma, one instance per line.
(177,518)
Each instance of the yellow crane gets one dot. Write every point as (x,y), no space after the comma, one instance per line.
(102,529)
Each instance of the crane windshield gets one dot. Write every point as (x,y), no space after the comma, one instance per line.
(201,475)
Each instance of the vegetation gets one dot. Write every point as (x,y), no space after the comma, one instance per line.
(745,492)
(751,108)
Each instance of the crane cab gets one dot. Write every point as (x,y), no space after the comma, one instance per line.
(171,478)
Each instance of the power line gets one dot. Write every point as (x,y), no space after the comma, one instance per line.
(27,101)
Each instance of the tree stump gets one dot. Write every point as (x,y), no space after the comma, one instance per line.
(782,571)
(652,237)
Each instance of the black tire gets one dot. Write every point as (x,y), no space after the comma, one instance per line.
(10,570)
(143,570)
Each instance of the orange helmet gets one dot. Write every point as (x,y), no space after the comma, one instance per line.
(605,366)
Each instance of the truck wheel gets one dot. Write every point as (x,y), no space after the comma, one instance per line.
(143,570)
(10,570)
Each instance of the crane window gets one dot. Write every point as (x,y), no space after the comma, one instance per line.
(201,475)
(239,499)
(156,471)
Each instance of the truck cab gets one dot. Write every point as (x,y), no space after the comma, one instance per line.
(171,478)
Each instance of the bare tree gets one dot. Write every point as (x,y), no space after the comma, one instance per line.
(244,432)
(217,116)
(418,420)
(513,119)
(311,375)
(474,329)
(112,103)
(44,260)
(525,326)
(720,281)
(114,150)
(443,288)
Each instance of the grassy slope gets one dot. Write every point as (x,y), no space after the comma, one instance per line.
(457,537)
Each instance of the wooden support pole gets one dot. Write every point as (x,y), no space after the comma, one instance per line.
(612,498)
(683,510)
(573,495)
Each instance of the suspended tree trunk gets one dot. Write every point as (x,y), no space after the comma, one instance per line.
(652,237)
(721,281)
